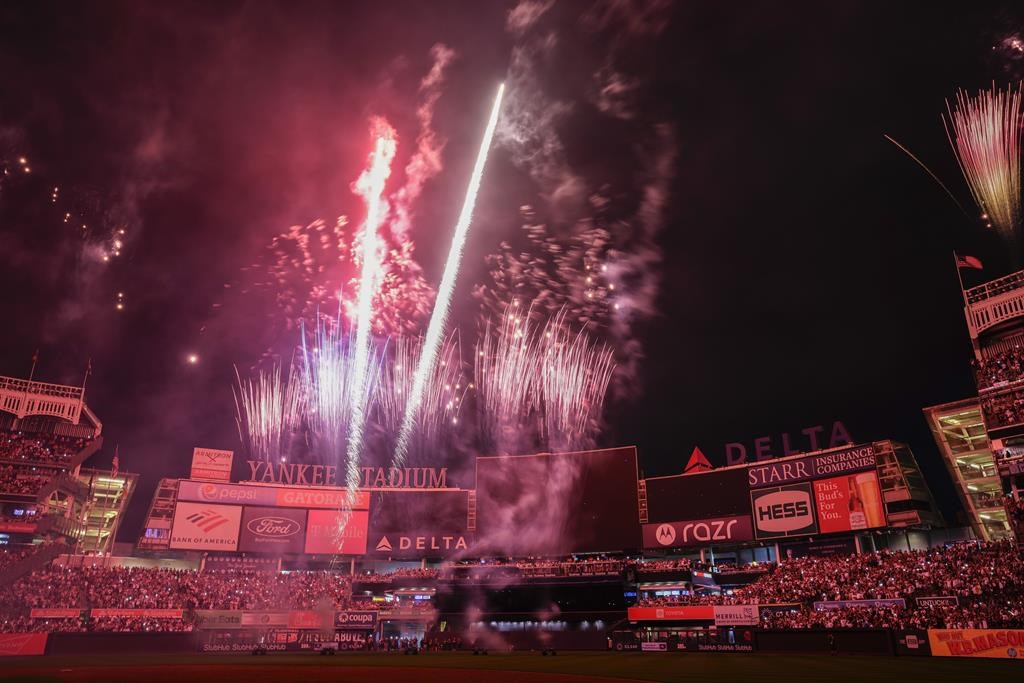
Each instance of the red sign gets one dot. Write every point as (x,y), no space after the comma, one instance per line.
(98,613)
(55,613)
(16,644)
(309,619)
(17,527)
(849,503)
(199,526)
(334,499)
(337,533)
(685,612)
(698,532)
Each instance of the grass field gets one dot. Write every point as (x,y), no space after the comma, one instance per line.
(503,668)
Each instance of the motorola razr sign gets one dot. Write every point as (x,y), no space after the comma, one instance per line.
(698,532)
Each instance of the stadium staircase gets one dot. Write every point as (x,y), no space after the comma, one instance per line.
(84,454)
(40,558)
(65,483)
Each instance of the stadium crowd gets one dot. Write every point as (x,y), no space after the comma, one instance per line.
(1000,368)
(39,448)
(1004,410)
(986,579)
(22,481)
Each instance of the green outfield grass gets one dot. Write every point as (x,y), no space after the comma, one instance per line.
(502,668)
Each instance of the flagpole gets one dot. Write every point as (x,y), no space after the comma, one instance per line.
(35,359)
(960,278)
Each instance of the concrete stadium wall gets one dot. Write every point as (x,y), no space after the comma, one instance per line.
(848,641)
(119,643)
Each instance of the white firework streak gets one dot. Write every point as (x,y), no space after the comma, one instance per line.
(575,373)
(506,368)
(985,137)
(269,409)
(439,316)
(443,395)
(371,186)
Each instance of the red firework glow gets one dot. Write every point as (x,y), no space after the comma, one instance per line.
(317,267)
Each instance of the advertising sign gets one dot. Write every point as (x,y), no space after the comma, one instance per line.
(719,493)
(272,530)
(234,563)
(335,499)
(309,619)
(419,524)
(332,499)
(351,640)
(200,526)
(336,533)
(209,463)
(217,618)
(13,527)
(698,532)
(855,459)
(937,601)
(205,492)
(18,644)
(119,613)
(849,503)
(55,613)
(250,619)
(844,604)
(783,511)
(831,547)
(737,615)
(682,613)
(359,620)
(654,647)
(976,642)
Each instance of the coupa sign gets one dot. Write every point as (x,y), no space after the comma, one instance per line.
(356,619)
(698,532)
(783,511)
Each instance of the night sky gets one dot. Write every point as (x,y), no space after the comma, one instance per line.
(798,267)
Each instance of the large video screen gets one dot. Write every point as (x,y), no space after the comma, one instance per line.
(417,524)
(697,496)
(557,504)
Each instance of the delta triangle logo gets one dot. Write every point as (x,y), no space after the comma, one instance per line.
(384,545)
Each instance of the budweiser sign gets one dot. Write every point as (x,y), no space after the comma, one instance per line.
(369,477)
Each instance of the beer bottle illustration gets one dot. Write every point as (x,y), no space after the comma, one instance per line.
(858,519)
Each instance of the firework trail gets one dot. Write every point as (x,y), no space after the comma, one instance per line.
(439,317)
(505,370)
(371,186)
(269,411)
(984,132)
(442,398)
(575,374)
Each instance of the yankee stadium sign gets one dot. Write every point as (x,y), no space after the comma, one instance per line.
(369,477)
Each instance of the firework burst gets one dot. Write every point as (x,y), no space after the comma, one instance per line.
(984,132)
(269,412)
(539,387)
(441,402)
